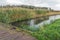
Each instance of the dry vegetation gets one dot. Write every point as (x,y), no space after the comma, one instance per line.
(8,15)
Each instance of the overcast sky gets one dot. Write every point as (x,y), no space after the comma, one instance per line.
(54,4)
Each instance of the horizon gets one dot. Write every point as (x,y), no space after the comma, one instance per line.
(38,3)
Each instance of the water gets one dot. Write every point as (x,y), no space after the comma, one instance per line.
(32,22)
(36,23)
(48,21)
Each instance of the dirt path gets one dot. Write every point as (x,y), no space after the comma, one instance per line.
(6,34)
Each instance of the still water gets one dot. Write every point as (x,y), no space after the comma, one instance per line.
(48,21)
(37,22)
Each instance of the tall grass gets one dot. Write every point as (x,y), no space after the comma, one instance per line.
(13,14)
(8,15)
(41,11)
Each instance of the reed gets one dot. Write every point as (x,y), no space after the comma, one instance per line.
(9,14)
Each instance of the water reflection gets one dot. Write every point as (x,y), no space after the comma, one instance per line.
(50,20)
(37,22)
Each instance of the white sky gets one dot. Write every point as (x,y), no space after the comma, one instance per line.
(54,4)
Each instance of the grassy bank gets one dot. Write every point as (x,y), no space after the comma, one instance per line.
(49,32)
(8,15)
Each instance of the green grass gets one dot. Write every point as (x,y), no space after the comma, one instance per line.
(49,32)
